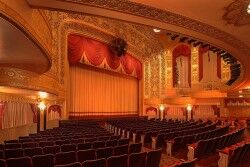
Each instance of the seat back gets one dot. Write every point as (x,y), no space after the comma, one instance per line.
(120,150)
(95,163)
(115,161)
(75,164)
(68,147)
(2,163)
(137,159)
(63,158)
(13,145)
(104,152)
(153,158)
(22,161)
(51,149)
(13,153)
(123,141)
(111,143)
(46,143)
(43,160)
(99,144)
(33,151)
(84,146)
(135,148)
(83,155)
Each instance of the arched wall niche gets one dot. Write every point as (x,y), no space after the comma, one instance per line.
(33,24)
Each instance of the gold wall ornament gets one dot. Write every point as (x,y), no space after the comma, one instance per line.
(194,65)
(138,9)
(236,13)
(5,97)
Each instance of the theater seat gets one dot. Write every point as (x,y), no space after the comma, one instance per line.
(43,160)
(13,153)
(153,158)
(16,162)
(63,158)
(51,149)
(2,163)
(137,159)
(120,150)
(118,161)
(75,164)
(104,152)
(95,163)
(135,148)
(68,147)
(84,146)
(83,155)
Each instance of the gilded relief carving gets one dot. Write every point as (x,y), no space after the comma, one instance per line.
(195,66)
(236,13)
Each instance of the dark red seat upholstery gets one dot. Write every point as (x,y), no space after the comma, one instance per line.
(63,158)
(123,141)
(29,145)
(11,141)
(68,147)
(13,145)
(75,164)
(137,159)
(84,146)
(111,143)
(153,158)
(104,152)
(2,163)
(95,163)
(83,155)
(46,143)
(135,148)
(118,161)
(33,151)
(51,149)
(120,150)
(46,160)
(16,162)
(13,153)
(99,144)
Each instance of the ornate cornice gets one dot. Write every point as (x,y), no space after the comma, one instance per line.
(236,13)
(166,17)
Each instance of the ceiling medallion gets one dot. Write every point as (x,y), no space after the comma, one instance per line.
(238,13)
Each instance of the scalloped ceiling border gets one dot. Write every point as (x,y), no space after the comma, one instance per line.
(167,17)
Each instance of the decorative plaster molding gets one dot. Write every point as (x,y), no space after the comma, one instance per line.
(236,13)
(167,17)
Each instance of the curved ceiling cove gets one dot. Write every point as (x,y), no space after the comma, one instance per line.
(17,50)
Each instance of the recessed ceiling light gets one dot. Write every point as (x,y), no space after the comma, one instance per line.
(240,95)
(156,30)
(240,91)
(248,9)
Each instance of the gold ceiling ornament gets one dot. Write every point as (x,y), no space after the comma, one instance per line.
(28,80)
(39,35)
(5,97)
(142,40)
(236,13)
(142,10)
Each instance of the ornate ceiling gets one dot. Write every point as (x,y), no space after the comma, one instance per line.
(205,20)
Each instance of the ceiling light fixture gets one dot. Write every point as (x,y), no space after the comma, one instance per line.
(248,9)
(156,30)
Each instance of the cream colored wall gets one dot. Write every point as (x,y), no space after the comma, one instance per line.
(15,132)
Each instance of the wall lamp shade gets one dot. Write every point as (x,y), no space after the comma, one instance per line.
(162,107)
(41,106)
(189,107)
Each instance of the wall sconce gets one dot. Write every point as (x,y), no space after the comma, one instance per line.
(41,106)
(162,107)
(189,107)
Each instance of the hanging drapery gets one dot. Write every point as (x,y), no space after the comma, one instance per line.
(183,51)
(95,53)
(2,107)
(34,109)
(101,93)
(17,114)
(209,64)
(54,112)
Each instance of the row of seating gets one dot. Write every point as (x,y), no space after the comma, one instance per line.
(92,141)
(19,152)
(206,147)
(236,154)
(69,159)
(162,137)
(182,141)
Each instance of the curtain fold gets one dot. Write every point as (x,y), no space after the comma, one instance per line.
(34,109)
(94,92)
(2,107)
(17,114)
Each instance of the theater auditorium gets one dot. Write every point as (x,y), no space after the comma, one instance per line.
(124,83)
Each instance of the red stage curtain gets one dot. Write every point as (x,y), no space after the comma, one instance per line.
(2,107)
(181,50)
(34,110)
(82,49)
(55,108)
